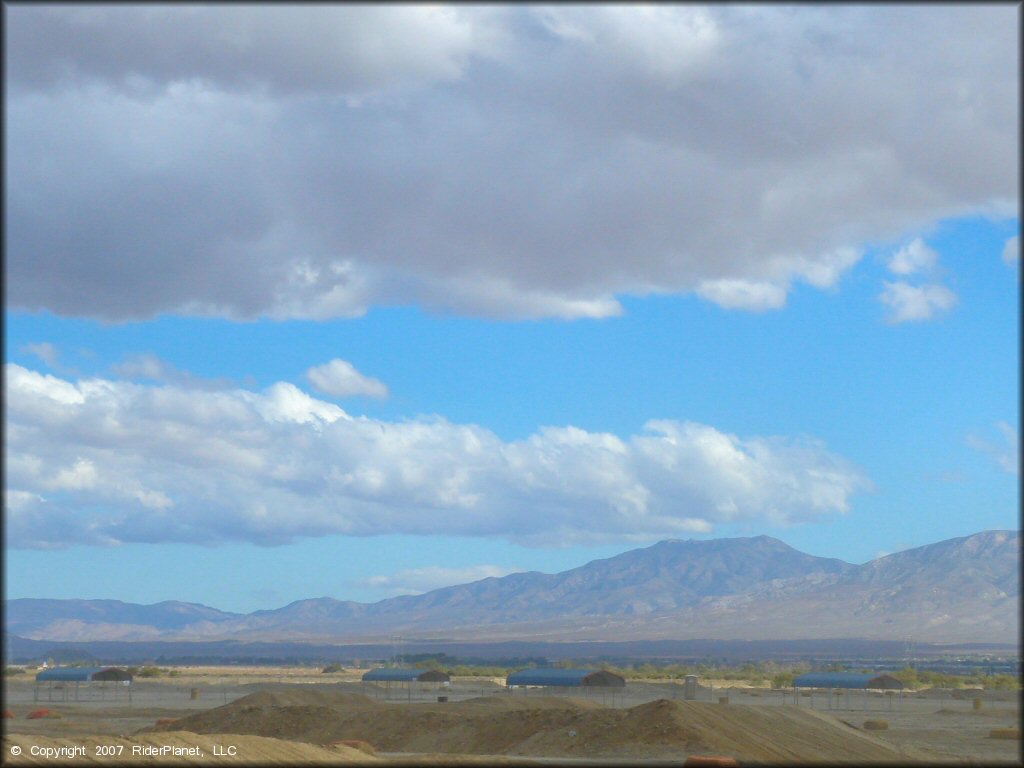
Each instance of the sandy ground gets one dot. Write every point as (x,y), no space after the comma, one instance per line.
(291,716)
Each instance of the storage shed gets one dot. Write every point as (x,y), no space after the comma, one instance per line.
(566,678)
(834,682)
(101,680)
(847,680)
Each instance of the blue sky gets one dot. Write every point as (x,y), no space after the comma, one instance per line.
(530,288)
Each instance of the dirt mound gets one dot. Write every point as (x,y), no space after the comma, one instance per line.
(314,724)
(248,750)
(492,703)
(671,729)
(557,727)
(305,695)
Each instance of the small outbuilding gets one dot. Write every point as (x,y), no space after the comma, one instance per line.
(566,678)
(94,679)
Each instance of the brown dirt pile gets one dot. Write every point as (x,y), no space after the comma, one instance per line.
(556,727)
(250,750)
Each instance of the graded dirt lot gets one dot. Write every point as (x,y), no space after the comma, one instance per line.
(272,716)
(551,727)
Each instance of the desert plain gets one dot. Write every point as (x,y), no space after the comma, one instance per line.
(291,715)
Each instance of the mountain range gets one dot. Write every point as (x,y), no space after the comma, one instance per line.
(959,590)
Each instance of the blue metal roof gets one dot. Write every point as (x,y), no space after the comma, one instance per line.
(846,680)
(68,674)
(395,673)
(564,677)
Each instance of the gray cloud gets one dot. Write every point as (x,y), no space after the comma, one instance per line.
(101,461)
(148,366)
(45,351)
(515,162)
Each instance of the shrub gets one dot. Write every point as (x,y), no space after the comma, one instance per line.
(783,680)
(1001,683)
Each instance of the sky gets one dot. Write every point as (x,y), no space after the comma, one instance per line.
(358,301)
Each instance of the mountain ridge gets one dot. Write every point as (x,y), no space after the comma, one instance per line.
(960,589)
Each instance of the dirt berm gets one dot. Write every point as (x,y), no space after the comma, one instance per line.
(550,727)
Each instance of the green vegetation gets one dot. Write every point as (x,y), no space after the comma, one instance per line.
(783,680)
(464,670)
(1001,683)
(331,668)
(11,671)
(923,678)
(151,671)
(757,673)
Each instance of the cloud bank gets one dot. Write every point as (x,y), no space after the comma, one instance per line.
(101,461)
(315,161)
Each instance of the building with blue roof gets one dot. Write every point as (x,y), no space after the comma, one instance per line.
(67,679)
(847,680)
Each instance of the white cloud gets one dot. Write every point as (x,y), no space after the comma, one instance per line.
(1011,251)
(415,581)
(1005,453)
(98,461)
(913,303)
(340,378)
(316,161)
(286,402)
(743,294)
(914,257)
